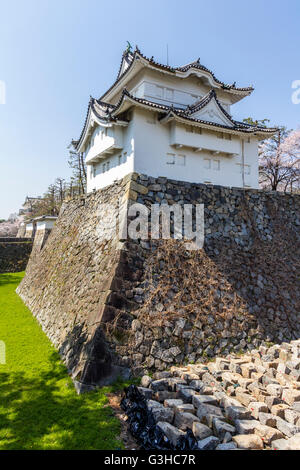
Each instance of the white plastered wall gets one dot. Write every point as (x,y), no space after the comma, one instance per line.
(116,166)
(44,224)
(173,90)
(146,143)
(152,144)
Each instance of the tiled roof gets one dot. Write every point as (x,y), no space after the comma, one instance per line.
(106,113)
(200,104)
(236,127)
(43,217)
(187,114)
(101,110)
(156,64)
(126,57)
(125,93)
(197,65)
(131,60)
(132,57)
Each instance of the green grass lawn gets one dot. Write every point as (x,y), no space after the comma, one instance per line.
(39,408)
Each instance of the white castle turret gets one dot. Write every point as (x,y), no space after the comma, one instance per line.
(172,122)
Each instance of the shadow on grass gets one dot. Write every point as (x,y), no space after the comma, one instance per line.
(10,278)
(44,412)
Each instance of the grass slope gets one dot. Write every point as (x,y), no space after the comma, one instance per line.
(39,408)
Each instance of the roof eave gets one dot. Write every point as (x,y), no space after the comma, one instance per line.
(171,113)
(210,125)
(144,62)
(93,118)
(267,133)
(121,81)
(238,92)
(210,96)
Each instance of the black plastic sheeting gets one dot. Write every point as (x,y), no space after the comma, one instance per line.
(143,427)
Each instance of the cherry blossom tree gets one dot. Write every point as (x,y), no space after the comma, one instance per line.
(279,165)
(9,228)
(291,151)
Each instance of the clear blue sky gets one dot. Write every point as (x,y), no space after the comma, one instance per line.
(55,53)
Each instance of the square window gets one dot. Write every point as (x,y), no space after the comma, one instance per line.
(180,160)
(170,158)
(150,89)
(159,91)
(169,94)
(207,163)
(216,165)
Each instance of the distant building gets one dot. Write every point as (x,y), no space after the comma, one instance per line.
(30,228)
(28,206)
(43,223)
(13,218)
(174,122)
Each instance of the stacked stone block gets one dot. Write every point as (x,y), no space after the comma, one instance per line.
(235,402)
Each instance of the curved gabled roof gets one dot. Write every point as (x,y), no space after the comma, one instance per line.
(197,65)
(102,112)
(237,128)
(106,114)
(126,61)
(127,96)
(200,104)
(130,59)
(170,112)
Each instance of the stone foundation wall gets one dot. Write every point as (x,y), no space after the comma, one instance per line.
(21,231)
(41,236)
(14,254)
(68,282)
(150,304)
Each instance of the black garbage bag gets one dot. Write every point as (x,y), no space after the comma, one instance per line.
(143,427)
(141,421)
(188,442)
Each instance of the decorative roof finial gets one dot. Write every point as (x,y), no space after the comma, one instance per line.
(198,60)
(129,48)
